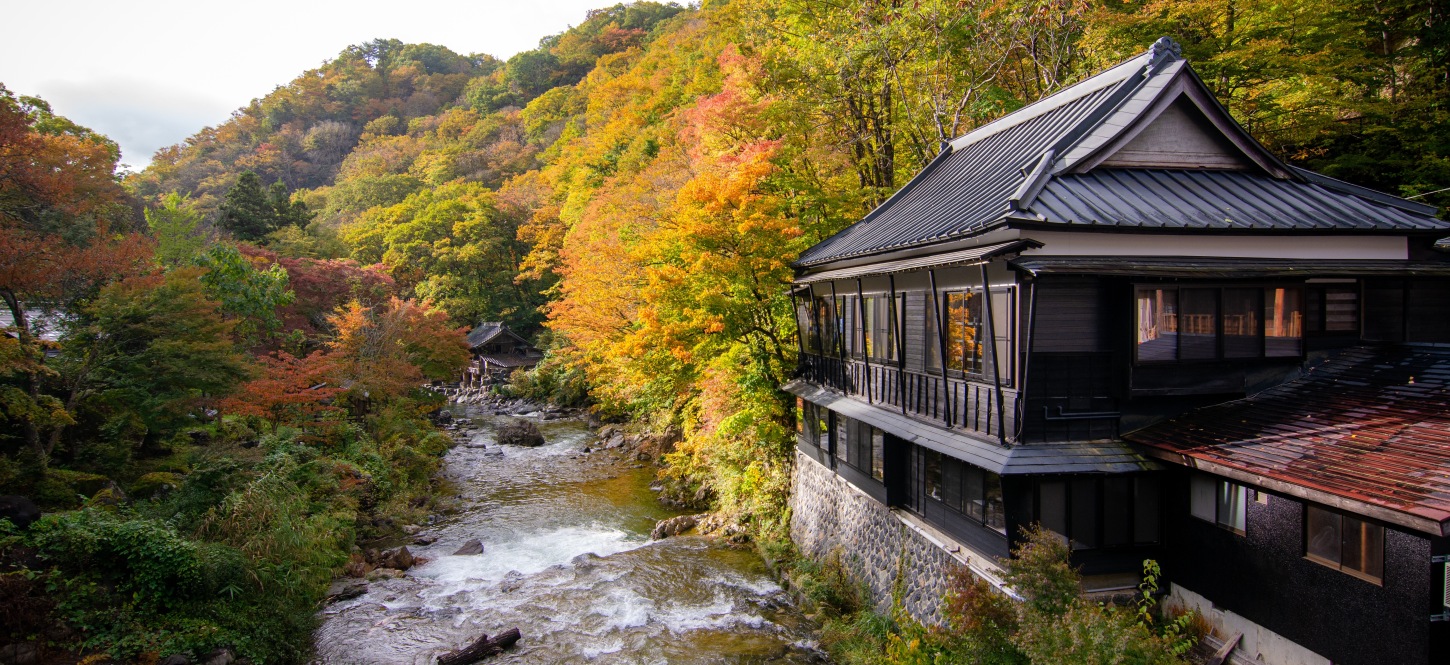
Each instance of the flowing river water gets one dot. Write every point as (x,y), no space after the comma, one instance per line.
(568,560)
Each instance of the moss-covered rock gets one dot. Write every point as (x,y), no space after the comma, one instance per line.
(155,484)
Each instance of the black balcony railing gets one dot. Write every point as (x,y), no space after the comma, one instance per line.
(959,403)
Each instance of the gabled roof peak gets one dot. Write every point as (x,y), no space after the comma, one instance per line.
(1146,127)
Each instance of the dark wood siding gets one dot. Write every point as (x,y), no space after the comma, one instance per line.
(1069,316)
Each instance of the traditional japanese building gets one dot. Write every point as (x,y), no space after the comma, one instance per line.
(497,352)
(1115,314)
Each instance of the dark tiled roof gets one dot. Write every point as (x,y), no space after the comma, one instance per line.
(511,360)
(485,332)
(964,189)
(1035,166)
(1213,200)
(1371,426)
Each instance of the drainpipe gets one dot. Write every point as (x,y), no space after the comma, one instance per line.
(996,362)
(941,348)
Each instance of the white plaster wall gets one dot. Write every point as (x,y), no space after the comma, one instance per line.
(1056,243)
(1258,645)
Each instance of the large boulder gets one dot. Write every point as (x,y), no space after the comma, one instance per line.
(470,548)
(21,512)
(522,433)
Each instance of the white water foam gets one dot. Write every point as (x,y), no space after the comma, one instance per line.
(528,554)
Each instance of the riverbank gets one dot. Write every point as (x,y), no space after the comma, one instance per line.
(566,557)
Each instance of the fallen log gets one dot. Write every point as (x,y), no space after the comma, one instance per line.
(481,648)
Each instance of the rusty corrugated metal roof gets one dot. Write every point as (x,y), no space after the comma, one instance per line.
(1370,427)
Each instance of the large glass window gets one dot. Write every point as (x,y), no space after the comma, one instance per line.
(1202,323)
(971,491)
(964,331)
(1219,501)
(842,438)
(1344,542)
(1283,323)
(878,331)
(1109,511)
(1157,324)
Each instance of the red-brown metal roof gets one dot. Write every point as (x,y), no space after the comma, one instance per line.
(1371,426)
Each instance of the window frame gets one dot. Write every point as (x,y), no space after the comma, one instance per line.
(991,497)
(1378,580)
(1219,289)
(1222,488)
(1004,325)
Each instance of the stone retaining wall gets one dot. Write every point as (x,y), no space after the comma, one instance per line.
(879,546)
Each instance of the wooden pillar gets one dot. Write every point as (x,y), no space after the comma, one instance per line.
(941,346)
(996,361)
(900,338)
(861,319)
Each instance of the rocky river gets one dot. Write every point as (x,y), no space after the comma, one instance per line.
(567,558)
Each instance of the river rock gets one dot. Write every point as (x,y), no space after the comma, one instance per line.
(21,512)
(175,659)
(520,434)
(346,590)
(218,657)
(470,548)
(398,559)
(18,654)
(674,526)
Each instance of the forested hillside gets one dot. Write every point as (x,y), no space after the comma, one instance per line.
(632,192)
(638,185)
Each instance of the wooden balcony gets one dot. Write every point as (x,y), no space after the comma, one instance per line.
(958,403)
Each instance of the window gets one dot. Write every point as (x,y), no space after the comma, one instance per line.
(878,333)
(813,424)
(878,454)
(966,333)
(1219,501)
(1157,324)
(806,327)
(973,492)
(1209,323)
(860,446)
(1110,511)
(933,474)
(1332,309)
(1345,543)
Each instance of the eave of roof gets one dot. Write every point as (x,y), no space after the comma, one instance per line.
(1080,457)
(1367,431)
(960,257)
(1193,267)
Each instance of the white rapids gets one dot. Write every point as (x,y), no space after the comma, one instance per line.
(568,561)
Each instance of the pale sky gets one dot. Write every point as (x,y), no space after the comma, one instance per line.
(149,73)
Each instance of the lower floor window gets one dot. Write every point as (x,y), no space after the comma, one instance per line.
(1344,542)
(966,489)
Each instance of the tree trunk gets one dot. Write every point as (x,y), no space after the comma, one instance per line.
(32,382)
(481,648)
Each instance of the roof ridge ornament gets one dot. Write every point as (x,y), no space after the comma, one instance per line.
(1166,49)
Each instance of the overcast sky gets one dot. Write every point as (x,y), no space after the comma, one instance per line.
(149,73)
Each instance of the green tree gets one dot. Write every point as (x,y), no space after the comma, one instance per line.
(175,226)
(145,353)
(249,295)
(247,211)
(287,211)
